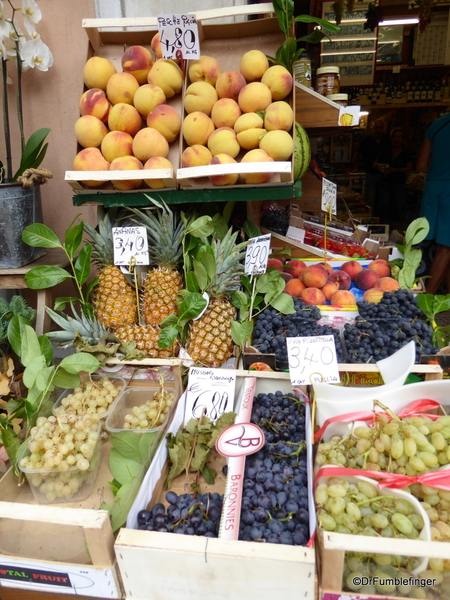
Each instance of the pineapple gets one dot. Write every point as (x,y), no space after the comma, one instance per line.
(114,299)
(162,284)
(209,338)
(146,339)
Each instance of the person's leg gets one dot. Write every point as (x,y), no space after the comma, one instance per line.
(440,269)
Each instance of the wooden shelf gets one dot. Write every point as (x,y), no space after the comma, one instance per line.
(405,105)
(408,67)
(313,109)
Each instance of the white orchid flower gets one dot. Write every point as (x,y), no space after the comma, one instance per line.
(35,53)
(31,15)
(5,25)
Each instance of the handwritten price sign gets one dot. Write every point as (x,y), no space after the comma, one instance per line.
(179,34)
(257,255)
(329,194)
(209,392)
(312,360)
(130,243)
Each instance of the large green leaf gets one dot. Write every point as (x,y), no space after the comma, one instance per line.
(417,231)
(34,367)
(167,336)
(431,304)
(15,328)
(406,277)
(200,274)
(201,227)
(82,266)
(220,226)
(34,151)
(284,10)
(146,442)
(123,469)
(284,303)
(241,332)
(40,278)
(63,301)
(30,345)
(251,229)
(40,236)
(73,239)
(127,444)
(209,263)
(46,348)
(80,361)
(44,380)
(191,307)
(12,444)
(66,380)
(329,27)
(413,258)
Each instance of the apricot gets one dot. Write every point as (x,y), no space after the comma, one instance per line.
(97,71)
(124,117)
(373,295)
(166,74)
(253,65)
(227,179)
(90,131)
(229,84)
(279,145)
(155,45)
(121,87)
(388,284)
(149,142)
(225,112)
(206,68)
(256,155)
(381,267)
(341,278)
(279,81)
(329,288)
(196,128)
(223,141)
(352,267)
(138,61)
(148,97)
(366,279)
(312,296)
(294,287)
(115,144)
(314,276)
(196,156)
(295,267)
(126,163)
(254,96)
(278,115)
(94,102)
(200,96)
(343,298)
(157,162)
(90,159)
(165,119)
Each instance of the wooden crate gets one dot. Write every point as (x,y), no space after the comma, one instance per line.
(163,565)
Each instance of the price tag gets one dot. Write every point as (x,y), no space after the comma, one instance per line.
(209,392)
(130,243)
(312,360)
(179,33)
(329,194)
(257,255)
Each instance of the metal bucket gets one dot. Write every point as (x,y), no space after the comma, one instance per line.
(19,207)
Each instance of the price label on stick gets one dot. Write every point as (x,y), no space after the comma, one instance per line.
(130,243)
(312,360)
(209,392)
(329,194)
(179,33)
(257,255)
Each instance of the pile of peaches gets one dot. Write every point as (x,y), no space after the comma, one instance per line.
(320,284)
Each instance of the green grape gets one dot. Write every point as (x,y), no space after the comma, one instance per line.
(363,432)
(337,506)
(354,563)
(369,531)
(382,462)
(342,529)
(402,460)
(363,446)
(417,521)
(383,560)
(430,460)
(423,429)
(447,453)
(383,585)
(420,439)
(433,499)
(442,458)
(379,521)
(409,447)
(349,522)
(378,445)
(366,488)
(366,510)
(353,511)
(386,441)
(445,494)
(438,440)
(373,455)
(326,522)
(396,446)
(404,507)
(328,503)
(429,448)
(351,578)
(417,464)
(402,523)
(410,470)
(387,532)
(445,432)
(321,494)
(337,491)
(404,589)
(367,520)
(391,428)
(436,565)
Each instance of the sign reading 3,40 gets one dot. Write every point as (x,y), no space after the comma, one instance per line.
(178,36)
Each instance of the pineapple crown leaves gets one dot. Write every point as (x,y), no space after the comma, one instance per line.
(103,246)
(90,329)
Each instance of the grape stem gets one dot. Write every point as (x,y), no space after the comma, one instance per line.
(370,500)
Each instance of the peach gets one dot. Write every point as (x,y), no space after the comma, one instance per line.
(254,96)
(124,117)
(312,296)
(126,163)
(279,81)
(373,295)
(148,97)
(138,61)
(165,119)
(223,141)
(155,45)
(279,145)
(381,267)
(229,84)
(115,144)
(294,287)
(388,284)
(149,142)
(196,128)
(196,156)
(249,130)
(225,112)
(94,102)
(286,276)
(256,155)
(121,87)
(366,279)
(166,74)
(342,279)
(278,115)
(90,131)
(295,267)
(253,65)
(200,96)
(228,179)
(97,72)
(352,267)
(249,120)
(343,298)
(329,288)
(314,276)
(90,159)
(275,263)
(157,162)
(206,68)
(327,266)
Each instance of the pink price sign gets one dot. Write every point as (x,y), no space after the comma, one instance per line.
(240,439)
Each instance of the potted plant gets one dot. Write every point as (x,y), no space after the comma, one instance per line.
(19,195)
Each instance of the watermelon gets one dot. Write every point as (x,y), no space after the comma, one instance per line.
(302,151)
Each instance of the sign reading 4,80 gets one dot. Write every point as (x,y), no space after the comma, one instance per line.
(178,35)
(312,360)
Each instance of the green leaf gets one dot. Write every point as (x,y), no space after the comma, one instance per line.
(201,227)
(191,282)
(39,278)
(46,348)
(251,229)
(191,307)
(240,300)
(15,328)
(220,226)
(12,444)
(172,319)
(284,10)
(241,332)
(90,287)
(40,236)
(66,380)
(406,277)
(30,345)
(431,304)
(209,475)
(34,151)
(312,38)
(209,263)
(200,274)
(146,442)
(63,301)
(81,361)
(16,408)
(34,367)
(228,211)
(73,239)
(413,258)
(44,379)
(284,303)
(82,266)
(329,27)
(123,469)
(127,444)
(417,231)
(167,336)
